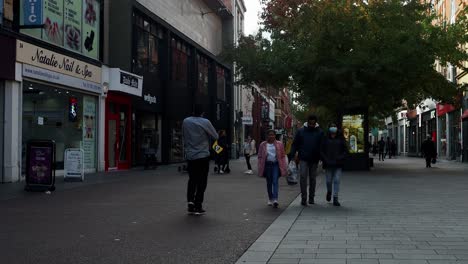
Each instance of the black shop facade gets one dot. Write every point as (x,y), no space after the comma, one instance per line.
(177,73)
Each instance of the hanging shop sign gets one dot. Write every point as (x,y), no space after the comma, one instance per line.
(62,79)
(47,59)
(72,24)
(125,82)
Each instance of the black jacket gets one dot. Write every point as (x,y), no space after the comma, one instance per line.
(428,149)
(333,152)
(307,143)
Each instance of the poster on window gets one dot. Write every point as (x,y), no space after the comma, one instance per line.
(353,132)
(53,22)
(72,25)
(89,132)
(91,9)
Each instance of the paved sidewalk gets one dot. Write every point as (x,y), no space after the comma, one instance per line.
(399,212)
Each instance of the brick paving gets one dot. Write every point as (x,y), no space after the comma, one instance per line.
(400,212)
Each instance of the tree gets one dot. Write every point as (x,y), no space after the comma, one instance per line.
(348,54)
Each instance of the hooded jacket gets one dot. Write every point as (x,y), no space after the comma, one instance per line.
(333,152)
(307,143)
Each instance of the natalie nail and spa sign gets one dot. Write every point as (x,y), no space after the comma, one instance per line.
(43,58)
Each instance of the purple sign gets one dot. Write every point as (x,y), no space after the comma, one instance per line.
(40,165)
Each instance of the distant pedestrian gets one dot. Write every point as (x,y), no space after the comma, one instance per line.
(198,133)
(221,157)
(306,152)
(393,148)
(375,148)
(382,149)
(429,151)
(272,165)
(388,146)
(333,152)
(249,151)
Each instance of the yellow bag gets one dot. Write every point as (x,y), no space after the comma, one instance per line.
(217,148)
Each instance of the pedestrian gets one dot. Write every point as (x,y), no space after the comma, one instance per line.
(272,165)
(388,146)
(382,149)
(375,148)
(198,133)
(393,148)
(429,151)
(221,157)
(249,151)
(306,152)
(333,153)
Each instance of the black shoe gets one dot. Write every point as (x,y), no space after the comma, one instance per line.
(311,201)
(328,196)
(191,208)
(335,201)
(303,203)
(275,204)
(200,211)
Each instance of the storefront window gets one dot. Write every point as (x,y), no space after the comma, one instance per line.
(443,136)
(177,148)
(65,116)
(221,83)
(147,35)
(203,73)
(147,136)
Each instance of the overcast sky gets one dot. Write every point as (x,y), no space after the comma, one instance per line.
(251,16)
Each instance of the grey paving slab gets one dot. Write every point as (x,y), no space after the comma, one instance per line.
(396,213)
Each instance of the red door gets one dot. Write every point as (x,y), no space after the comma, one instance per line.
(118,134)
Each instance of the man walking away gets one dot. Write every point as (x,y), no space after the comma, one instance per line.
(388,146)
(382,149)
(306,151)
(393,148)
(249,151)
(198,133)
(333,152)
(429,151)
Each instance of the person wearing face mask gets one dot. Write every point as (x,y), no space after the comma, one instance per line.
(333,152)
(272,165)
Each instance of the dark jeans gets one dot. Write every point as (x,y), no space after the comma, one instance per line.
(247,159)
(428,162)
(381,155)
(308,171)
(198,180)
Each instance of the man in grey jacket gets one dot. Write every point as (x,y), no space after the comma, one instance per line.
(198,133)
(306,151)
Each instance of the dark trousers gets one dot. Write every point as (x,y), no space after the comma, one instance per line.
(247,159)
(381,155)
(428,162)
(198,180)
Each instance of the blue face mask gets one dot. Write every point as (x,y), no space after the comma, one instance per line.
(333,129)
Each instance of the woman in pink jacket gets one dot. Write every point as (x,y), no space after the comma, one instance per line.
(272,165)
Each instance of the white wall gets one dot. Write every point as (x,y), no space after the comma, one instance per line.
(185,16)
(12,144)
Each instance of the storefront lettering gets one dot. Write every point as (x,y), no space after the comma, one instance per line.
(128,80)
(150,99)
(44,59)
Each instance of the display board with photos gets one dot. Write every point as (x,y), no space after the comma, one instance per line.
(72,24)
(353,132)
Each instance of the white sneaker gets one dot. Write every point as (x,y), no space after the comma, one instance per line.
(249,172)
(270,203)
(221,172)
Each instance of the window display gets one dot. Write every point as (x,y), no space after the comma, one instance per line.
(353,132)
(65,116)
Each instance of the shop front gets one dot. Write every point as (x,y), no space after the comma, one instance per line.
(429,126)
(118,118)
(449,125)
(60,101)
(412,133)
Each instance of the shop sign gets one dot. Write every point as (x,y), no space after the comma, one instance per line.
(150,99)
(73,164)
(247,120)
(443,109)
(43,58)
(72,24)
(125,82)
(32,12)
(54,77)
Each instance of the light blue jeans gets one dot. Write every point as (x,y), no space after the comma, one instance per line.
(272,173)
(333,179)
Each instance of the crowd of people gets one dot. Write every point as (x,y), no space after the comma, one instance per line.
(309,146)
(384,148)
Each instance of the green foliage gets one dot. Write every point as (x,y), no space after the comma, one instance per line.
(344,54)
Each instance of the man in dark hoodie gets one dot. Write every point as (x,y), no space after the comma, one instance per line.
(333,152)
(306,151)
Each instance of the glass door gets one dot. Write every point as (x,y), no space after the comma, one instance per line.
(118,144)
